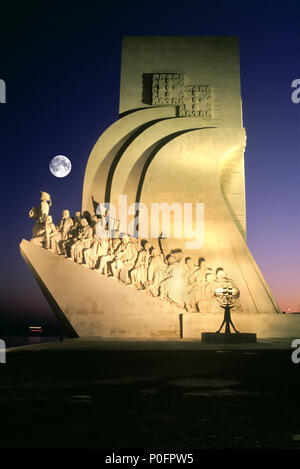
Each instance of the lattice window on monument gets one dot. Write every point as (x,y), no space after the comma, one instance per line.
(167,88)
(192,101)
(197,102)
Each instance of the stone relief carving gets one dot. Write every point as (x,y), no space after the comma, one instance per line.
(192,101)
(167,88)
(197,102)
(171,276)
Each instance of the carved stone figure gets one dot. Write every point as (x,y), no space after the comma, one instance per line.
(39,227)
(115,241)
(191,270)
(176,283)
(93,222)
(65,224)
(50,231)
(90,255)
(99,248)
(57,240)
(39,238)
(220,276)
(105,261)
(140,270)
(157,273)
(84,240)
(197,283)
(76,219)
(45,205)
(43,235)
(125,258)
(72,235)
(209,290)
(108,254)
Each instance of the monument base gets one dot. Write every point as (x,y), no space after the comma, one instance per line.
(89,304)
(223,338)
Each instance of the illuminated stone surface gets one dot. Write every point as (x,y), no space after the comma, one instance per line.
(88,303)
(183,159)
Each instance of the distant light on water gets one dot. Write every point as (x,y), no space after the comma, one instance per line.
(35,328)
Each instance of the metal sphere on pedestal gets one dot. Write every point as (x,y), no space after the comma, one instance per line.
(227,294)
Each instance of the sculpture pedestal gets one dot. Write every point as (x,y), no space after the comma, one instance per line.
(223,338)
(227,337)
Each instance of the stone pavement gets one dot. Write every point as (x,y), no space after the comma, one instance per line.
(91,393)
(94,343)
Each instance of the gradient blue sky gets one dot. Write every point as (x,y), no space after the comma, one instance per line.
(61,64)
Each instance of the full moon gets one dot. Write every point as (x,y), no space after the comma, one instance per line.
(60,166)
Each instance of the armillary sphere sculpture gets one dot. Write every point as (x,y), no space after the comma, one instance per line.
(227,295)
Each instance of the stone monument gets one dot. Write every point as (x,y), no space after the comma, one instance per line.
(176,155)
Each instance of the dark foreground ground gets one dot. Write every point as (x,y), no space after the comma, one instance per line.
(81,395)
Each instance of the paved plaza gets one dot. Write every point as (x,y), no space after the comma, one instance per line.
(92,393)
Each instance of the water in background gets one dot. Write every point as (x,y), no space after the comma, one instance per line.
(18,341)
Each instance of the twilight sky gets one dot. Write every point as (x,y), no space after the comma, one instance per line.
(61,65)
